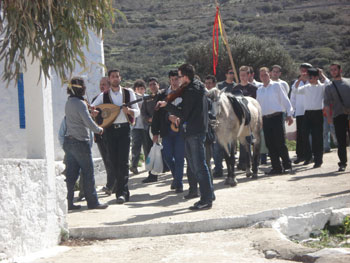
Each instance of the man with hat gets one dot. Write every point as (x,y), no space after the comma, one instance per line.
(297,101)
(313,93)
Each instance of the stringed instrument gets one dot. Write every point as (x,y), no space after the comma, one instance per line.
(108,112)
(170,98)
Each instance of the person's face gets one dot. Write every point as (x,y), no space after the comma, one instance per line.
(275,73)
(230,75)
(183,79)
(312,79)
(335,71)
(174,82)
(114,79)
(264,76)
(153,86)
(140,90)
(209,84)
(250,77)
(244,76)
(104,85)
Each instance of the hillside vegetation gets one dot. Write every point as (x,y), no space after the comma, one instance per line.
(158,33)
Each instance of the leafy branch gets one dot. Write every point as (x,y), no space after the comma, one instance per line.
(52,31)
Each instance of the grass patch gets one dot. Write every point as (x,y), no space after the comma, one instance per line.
(291,145)
(331,236)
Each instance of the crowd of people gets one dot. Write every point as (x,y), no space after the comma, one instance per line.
(182,116)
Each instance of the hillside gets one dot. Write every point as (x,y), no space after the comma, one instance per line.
(157,34)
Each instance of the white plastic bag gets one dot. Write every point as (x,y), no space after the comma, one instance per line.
(150,159)
(158,159)
(154,161)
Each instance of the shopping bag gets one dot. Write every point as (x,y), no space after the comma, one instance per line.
(158,159)
(150,159)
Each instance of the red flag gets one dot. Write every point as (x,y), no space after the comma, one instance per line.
(216,40)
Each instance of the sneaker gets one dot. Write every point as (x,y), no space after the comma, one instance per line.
(342,168)
(172,186)
(150,179)
(191,195)
(134,170)
(200,206)
(107,190)
(274,172)
(179,190)
(121,200)
(317,165)
(218,174)
(74,207)
(298,160)
(100,206)
(307,162)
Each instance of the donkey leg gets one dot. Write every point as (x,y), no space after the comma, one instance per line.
(231,177)
(228,166)
(256,156)
(248,170)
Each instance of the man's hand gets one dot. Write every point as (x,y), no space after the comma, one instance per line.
(289,120)
(127,110)
(321,75)
(149,120)
(155,138)
(101,132)
(161,104)
(303,77)
(94,112)
(174,119)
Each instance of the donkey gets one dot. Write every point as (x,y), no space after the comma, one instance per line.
(232,124)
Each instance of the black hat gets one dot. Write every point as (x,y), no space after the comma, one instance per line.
(305,65)
(312,72)
(153,79)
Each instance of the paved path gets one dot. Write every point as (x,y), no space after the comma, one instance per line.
(164,230)
(154,207)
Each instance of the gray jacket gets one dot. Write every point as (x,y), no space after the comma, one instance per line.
(78,120)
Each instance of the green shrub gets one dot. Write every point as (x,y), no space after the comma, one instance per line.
(246,50)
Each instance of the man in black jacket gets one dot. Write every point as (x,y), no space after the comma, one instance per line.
(194,118)
(173,143)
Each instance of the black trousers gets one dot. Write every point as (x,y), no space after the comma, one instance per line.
(118,142)
(276,142)
(300,141)
(341,125)
(313,124)
(102,147)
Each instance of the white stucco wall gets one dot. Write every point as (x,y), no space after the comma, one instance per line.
(31,217)
(13,139)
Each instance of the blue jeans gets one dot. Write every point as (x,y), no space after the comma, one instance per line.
(173,154)
(195,153)
(328,129)
(78,156)
(218,156)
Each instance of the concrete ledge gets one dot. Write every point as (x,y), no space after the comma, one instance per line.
(207,225)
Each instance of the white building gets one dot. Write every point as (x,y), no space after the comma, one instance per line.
(32,193)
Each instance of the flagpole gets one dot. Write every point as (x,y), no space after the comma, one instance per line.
(227,45)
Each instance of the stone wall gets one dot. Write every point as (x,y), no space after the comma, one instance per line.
(32,208)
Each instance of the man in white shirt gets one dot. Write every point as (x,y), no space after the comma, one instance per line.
(313,118)
(297,101)
(118,134)
(275,76)
(274,102)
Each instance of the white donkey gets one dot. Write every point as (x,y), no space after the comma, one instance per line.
(232,124)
